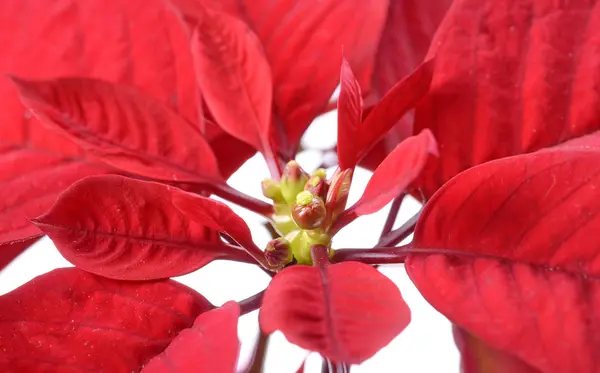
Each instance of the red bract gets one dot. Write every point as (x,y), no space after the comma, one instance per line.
(72,321)
(334,311)
(510,77)
(211,345)
(515,250)
(129,230)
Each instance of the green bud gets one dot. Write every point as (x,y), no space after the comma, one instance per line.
(278,253)
(271,190)
(320,172)
(282,219)
(309,211)
(300,248)
(292,181)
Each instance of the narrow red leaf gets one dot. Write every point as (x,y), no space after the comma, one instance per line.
(478,357)
(350,106)
(69,320)
(210,345)
(30,181)
(397,171)
(405,39)
(519,253)
(128,229)
(8,252)
(525,72)
(218,216)
(123,127)
(346,312)
(305,64)
(234,77)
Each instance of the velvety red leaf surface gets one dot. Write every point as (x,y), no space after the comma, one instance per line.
(69,320)
(510,77)
(215,215)
(234,76)
(350,105)
(517,255)
(346,312)
(30,180)
(210,345)
(305,64)
(123,127)
(397,171)
(405,40)
(145,47)
(128,229)
(478,357)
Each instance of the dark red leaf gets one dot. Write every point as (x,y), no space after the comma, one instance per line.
(69,320)
(478,357)
(406,37)
(305,64)
(215,215)
(511,77)
(350,105)
(516,253)
(30,181)
(234,77)
(123,127)
(386,115)
(128,229)
(211,345)
(346,312)
(396,172)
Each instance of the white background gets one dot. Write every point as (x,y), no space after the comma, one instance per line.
(425,346)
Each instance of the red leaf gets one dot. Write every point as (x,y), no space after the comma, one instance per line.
(128,229)
(521,265)
(350,105)
(525,72)
(30,181)
(8,252)
(71,321)
(211,345)
(396,172)
(402,97)
(405,39)
(123,127)
(234,77)
(215,215)
(477,357)
(305,64)
(346,312)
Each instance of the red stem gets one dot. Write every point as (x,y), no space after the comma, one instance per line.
(223,190)
(392,215)
(251,303)
(396,236)
(345,218)
(394,255)
(320,255)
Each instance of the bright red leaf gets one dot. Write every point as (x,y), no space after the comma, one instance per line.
(210,345)
(10,251)
(69,320)
(128,229)
(516,255)
(350,106)
(305,64)
(123,127)
(234,77)
(478,357)
(396,172)
(215,215)
(510,77)
(346,312)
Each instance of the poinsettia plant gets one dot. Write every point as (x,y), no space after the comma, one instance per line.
(121,121)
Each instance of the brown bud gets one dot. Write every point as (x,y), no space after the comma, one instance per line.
(278,253)
(308,211)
